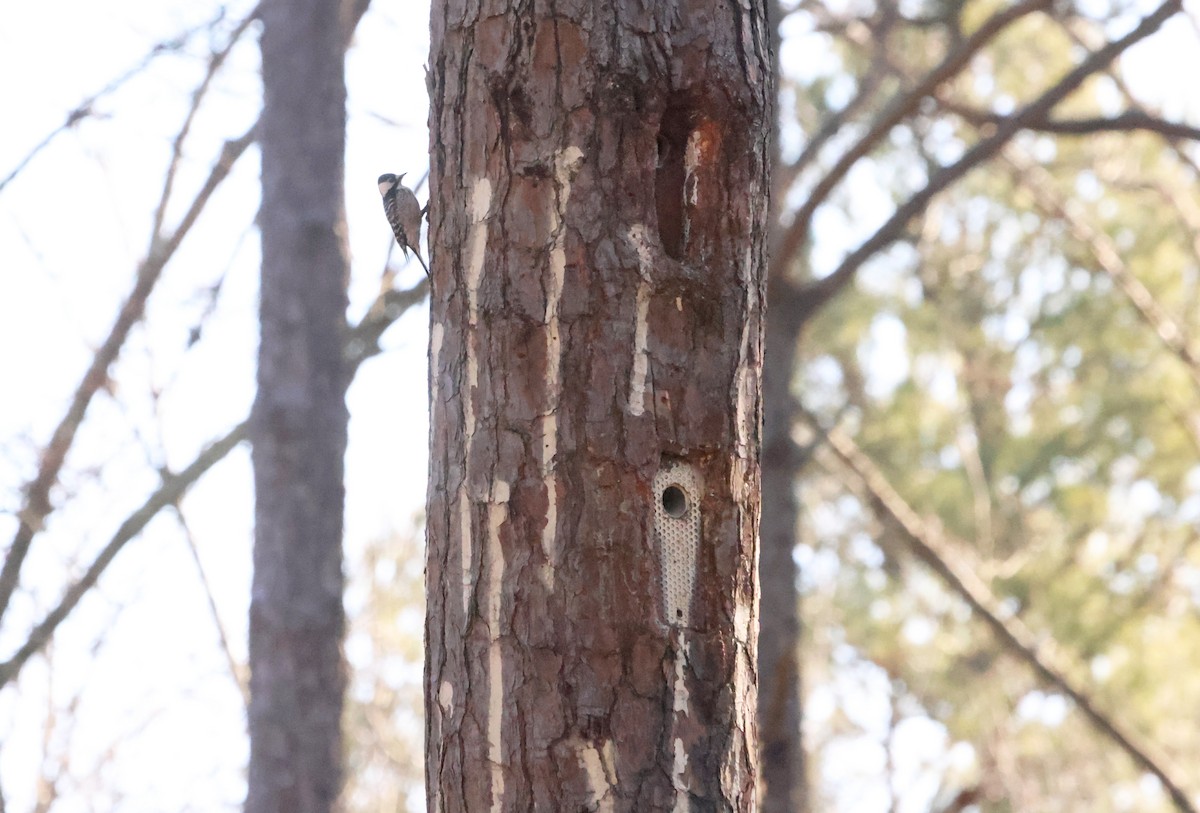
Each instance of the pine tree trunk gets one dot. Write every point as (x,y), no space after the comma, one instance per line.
(298,428)
(599,189)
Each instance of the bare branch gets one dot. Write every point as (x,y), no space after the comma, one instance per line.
(362,343)
(170,490)
(37,506)
(1081,37)
(892,115)
(868,87)
(1036,180)
(87,107)
(1182,205)
(363,340)
(1129,121)
(214,64)
(924,542)
(964,799)
(236,672)
(816,294)
(37,492)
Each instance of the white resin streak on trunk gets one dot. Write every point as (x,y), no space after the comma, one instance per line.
(550,530)
(742,489)
(436,335)
(597,762)
(683,802)
(497,514)
(481,199)
(565,166)
(747,415)
(480,207)
(680,707)
(692,158)
(641,362)
(446,691)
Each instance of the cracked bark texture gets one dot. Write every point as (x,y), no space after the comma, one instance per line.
(597,230)
(298,425)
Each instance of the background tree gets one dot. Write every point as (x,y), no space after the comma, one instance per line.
(949,397)
(298,426)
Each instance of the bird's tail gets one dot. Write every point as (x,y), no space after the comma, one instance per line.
(417,254)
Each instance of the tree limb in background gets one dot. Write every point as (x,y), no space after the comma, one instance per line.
(236,671)
(362,343)
(1184,206)
(902,106)
(1037,181)
(214,64)
(1186,209)
(964,799)
(1129,121)
(815,294)
(924,542)
(1081,37)
(86,108)
(786,174)
(170,490)
(37,505)
(54,767)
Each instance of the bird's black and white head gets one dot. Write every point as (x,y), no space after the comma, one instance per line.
(388,182)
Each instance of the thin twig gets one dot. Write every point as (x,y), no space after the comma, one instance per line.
(363,340)
(363,343)
(214,64)
(37,492)
(892,115)
(1129,121)
(868,86)
(32,515)
(925,543)
(816,294)
(170,489)
(235,669)
(1169,331)
(87,107)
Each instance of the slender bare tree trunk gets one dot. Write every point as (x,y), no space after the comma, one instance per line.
(298,428)
(780,702)
(780,695)
(599,187)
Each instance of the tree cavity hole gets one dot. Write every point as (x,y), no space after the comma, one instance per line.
(674,501)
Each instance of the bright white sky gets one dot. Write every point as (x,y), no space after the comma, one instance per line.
(73,227)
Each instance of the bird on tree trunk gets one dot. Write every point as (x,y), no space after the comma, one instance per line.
(403,213)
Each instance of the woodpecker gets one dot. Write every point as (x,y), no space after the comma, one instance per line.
(403,213)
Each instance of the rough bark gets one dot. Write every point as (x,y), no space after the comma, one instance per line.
(298,425)
(599,198)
